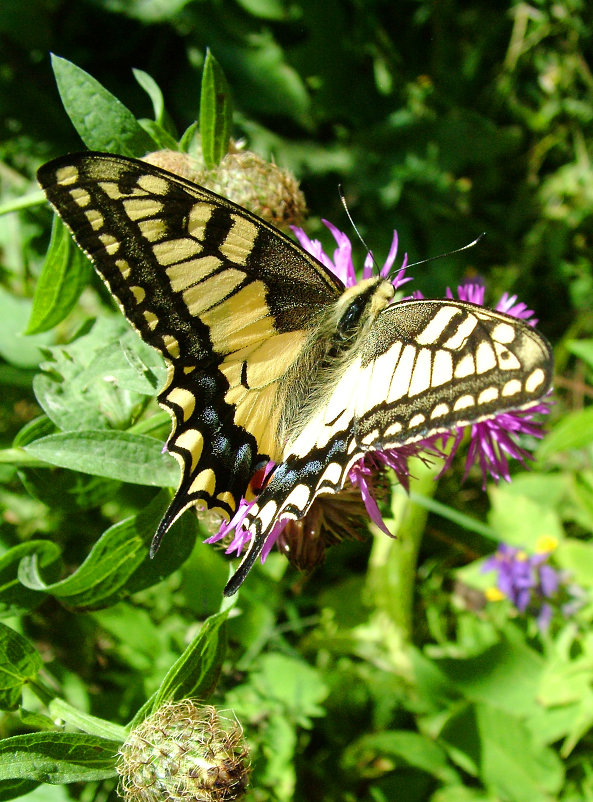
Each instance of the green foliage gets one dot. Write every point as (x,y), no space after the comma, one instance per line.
(387,675)
(216,113)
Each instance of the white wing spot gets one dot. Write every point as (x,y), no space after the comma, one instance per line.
(511,388)
(154,229)
(488,395)
(485,358)
(124,267)
(535,380)
(506,359)
(80,196)
(393,430)
(153,184)
(110,243)
(184,399)
(139,294)
(298,497)
(95,218)
(440,410)
(503,333)
(416,420)
(464,402)
(370,438)
(191,440)
(138,208)
(151,319)
(266,514)
(172,251)
(172,345)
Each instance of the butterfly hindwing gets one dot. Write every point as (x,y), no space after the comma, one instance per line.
(225,298)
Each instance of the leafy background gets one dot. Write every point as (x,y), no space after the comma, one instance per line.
(441,120)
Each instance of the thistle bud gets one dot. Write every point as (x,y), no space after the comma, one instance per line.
(246,179)
(184,753)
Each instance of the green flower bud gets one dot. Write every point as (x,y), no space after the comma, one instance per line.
(184,753)
(246,179)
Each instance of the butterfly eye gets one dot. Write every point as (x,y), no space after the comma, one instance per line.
(349,322)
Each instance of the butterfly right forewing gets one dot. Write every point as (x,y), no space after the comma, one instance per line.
(425,368)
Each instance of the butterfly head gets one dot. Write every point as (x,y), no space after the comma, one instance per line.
(361,304)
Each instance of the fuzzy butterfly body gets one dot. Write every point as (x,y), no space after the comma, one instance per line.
(270,357)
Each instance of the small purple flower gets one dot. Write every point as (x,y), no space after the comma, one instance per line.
(532,584)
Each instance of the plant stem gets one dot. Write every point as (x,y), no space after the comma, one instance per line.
(391,576)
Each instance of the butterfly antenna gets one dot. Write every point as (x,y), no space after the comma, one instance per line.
(353,224)
(449,253)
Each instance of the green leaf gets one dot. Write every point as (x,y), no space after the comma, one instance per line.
(153,90)
(63,277)
(583,349)
(15,598)
(498,747)
(92,725)
(408,749)
(508,672)
(112,569)
(134,458)
(15,347)
(57,757)
(33,430)
(100,380)
(196,672)
(216,112)
(162,139)
(519,520)
(101,120)
(19,664)
(12,789)
(574,430)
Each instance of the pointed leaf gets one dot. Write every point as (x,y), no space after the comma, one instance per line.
(101,120)
(19,663)
(57,757)
(216,112)
(119,563)
(134,458)
(196,672)
(64,275)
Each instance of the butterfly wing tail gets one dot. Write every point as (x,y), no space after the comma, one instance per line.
(255,548)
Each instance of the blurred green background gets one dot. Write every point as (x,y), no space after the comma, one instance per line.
(440,120)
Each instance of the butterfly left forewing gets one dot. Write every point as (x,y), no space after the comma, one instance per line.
(221,294)
(425,367)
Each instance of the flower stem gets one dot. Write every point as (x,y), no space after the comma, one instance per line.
(391,577)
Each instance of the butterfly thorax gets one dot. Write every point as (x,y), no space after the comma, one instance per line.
(335,337)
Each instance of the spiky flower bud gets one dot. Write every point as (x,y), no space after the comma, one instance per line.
(184,753)
(245,178)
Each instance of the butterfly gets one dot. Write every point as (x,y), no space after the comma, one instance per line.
(270,357)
